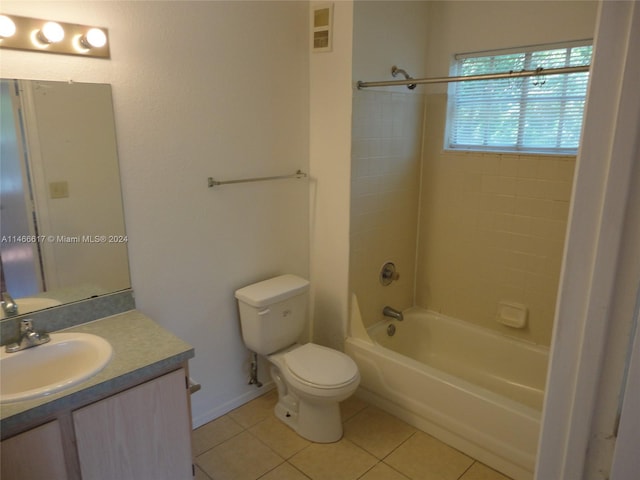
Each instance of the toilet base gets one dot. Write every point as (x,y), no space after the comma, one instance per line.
(318,421)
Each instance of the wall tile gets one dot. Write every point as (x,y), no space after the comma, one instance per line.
(384,196)
(527,166)
(506,241)
(491,226)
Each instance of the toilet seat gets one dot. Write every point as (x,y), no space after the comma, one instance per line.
(320,367)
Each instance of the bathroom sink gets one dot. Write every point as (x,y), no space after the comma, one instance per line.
(68,359)
(32,304)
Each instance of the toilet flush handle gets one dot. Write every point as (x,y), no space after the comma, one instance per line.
(264,312)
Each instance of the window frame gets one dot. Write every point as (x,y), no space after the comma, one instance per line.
(519,147)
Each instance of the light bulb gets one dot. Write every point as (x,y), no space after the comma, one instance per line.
(7,27)
(51,32)
(94,38)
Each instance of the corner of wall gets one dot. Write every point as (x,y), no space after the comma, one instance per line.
(329,166)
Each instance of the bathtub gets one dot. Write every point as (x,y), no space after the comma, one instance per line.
(478,391)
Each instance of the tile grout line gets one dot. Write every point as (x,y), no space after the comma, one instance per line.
(220,443)
(468,468)
(288,463)
(391,452)
(203,473)
(269,446)
(286,460)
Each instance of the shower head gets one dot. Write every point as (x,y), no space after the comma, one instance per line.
(395,71)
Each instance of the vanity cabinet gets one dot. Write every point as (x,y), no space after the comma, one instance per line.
(143,432)
(34,454)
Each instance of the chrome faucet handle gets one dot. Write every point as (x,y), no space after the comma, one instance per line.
(28,337)
(34,338)
(388,274)
(26,326)
(8,303)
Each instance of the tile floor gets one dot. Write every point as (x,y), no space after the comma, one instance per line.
(250,443)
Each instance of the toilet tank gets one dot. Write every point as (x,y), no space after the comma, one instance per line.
(273,313)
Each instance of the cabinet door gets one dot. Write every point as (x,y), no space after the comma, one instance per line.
(34,454)
(141,433)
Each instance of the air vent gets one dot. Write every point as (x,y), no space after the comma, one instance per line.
(322,23)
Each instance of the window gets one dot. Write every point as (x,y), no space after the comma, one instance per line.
(541,114)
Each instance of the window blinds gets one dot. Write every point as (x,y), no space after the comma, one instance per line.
(531,114)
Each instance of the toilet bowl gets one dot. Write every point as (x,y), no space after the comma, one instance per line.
(311,379)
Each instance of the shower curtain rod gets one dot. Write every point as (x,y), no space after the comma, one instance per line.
(489,76)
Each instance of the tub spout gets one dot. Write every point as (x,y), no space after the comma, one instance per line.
(393,313)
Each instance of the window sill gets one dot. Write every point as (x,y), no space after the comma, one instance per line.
(521,153)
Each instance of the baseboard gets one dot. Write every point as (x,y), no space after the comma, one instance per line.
(226,407)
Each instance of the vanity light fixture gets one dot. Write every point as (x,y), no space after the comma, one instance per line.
(94,38)
(7,27)
(25,33)
(51,32)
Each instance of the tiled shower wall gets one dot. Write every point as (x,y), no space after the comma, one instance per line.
(492,229)
(485,228)
(386,149)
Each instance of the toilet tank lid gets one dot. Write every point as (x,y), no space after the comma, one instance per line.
(273,290)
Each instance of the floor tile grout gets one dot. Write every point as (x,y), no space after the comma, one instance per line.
(220,443)
(381,460)
(286,460)
(269,446)
(468,468)
(246,423)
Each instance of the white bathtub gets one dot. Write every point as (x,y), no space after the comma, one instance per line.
(479,391)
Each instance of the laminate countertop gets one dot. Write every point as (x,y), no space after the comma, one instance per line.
(142,350)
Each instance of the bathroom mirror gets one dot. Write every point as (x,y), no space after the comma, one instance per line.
(61,215)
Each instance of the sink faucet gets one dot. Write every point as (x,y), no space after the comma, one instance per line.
(393,313)
(28,338)
(9,305)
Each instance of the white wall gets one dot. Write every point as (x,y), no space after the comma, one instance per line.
(330,167)
(200,89)
(388,33)
(475,26)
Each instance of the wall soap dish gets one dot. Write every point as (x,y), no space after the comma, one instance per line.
(512,314)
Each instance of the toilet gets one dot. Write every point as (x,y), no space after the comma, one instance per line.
(311,379)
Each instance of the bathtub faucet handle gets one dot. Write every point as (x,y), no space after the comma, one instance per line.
(393,275)
(388,273)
